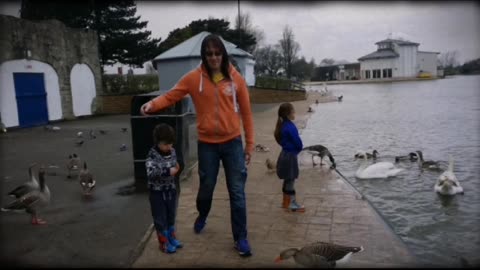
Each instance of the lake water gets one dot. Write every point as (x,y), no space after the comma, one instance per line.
(440,118)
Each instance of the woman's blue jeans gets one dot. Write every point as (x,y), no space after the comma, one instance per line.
(232,155)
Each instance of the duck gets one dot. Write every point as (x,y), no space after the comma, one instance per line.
(382,169)
(340,98)
(319,255)
(310,109)
(363,154)
(73,164)
(80,134)
(320,151)
(270,164)
(31,197)
(86,180)
(427,164)
(447,183)
(412,156)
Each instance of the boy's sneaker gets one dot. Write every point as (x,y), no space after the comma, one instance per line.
(199,224)
(243,248)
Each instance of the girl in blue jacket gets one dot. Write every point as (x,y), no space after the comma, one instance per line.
(286,135)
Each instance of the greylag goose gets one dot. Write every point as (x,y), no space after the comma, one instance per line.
(319,254)
(447,183)
(320,151)
(86,180)
(31,197)
(427,164)
(27,186)
(382,169)
(362,154)
(73,164)
(412,156)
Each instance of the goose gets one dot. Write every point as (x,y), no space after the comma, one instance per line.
(80,134)
(340,98)
(427,164)
(73,164)
(319,255)
(320,151)
(270,165)
(86,180)
(412,156)
(382,169)
(31,199)
(27,186)
(447,183)
(363,154)
(310,109)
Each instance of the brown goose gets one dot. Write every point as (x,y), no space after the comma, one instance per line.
(319,254)
(27,186)
(362,154)
(321,151)
(86,180)
(73,164)
(31,197)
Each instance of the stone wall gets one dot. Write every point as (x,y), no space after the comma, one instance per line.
(266,95)
(51,42)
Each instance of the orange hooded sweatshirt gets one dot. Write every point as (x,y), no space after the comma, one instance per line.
(219,106)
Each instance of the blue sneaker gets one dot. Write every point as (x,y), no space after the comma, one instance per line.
(243,248)
(172,239)
(199,224)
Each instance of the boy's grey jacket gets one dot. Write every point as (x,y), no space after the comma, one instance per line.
(158,170)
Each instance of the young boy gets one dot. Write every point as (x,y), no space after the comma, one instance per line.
(162,166)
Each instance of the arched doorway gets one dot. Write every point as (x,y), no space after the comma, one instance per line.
(82,83)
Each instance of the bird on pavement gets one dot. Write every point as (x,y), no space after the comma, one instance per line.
(319,254)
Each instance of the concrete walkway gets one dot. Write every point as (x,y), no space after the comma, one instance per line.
(333,213)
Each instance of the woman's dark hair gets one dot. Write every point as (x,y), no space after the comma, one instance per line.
(215,41)
(283,112)
(163,133)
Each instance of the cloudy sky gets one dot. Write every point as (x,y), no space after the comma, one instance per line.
(339,30)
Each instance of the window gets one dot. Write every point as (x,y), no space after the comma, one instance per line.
(367,74)
(387,73)
(376,73)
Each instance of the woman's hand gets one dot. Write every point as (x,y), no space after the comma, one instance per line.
(146,108)
(174,170)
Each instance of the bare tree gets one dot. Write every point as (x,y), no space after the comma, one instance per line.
(244,21)
(448,59)
(268,60)
(289,49)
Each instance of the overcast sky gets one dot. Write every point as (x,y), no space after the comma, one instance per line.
(339,30)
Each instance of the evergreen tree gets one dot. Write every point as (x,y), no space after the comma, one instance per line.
(121,35)
(215,26)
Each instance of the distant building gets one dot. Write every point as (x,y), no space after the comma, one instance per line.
(340,72)
(175,62)
(398,59)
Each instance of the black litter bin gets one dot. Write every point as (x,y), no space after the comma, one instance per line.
(181,117)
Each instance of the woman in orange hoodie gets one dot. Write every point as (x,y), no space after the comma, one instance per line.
(222,102)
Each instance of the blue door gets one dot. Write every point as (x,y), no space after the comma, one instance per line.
(31,99)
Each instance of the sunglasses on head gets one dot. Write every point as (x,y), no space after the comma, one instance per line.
(213,53)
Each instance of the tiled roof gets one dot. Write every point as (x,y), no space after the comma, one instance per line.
(191,48)
(379,55)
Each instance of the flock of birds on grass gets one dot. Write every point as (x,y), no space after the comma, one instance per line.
(447,183)
(34,194)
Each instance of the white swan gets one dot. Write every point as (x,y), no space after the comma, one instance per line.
(382,169)
(447,182)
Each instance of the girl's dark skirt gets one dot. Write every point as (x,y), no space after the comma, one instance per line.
(287,166)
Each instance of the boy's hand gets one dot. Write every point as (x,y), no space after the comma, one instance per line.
(146,108)
(173,171)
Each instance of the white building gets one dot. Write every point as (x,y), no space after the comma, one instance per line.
(398,59)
